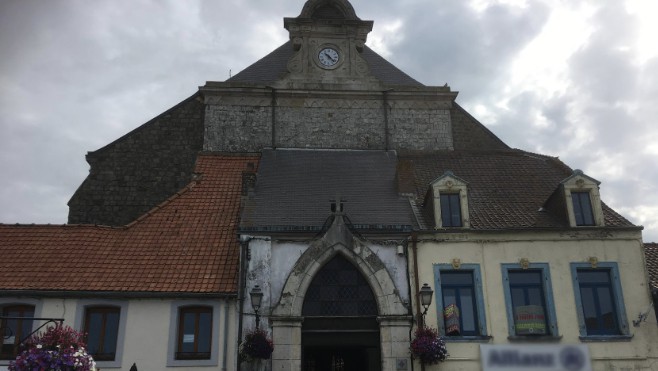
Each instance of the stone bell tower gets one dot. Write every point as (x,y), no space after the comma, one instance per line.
(328,39)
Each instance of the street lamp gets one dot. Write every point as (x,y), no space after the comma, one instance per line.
(256,295)
(425,295)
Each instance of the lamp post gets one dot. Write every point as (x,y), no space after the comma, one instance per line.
(425,295)
(256,295)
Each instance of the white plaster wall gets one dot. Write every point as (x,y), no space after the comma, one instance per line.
(490,251)
(148,330)
(271,262)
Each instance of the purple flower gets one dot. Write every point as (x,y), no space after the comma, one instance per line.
(58,348)
(428,347)
(256,345)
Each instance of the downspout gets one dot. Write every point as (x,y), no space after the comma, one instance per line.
(414,246)
(411,312)
(244,245)
(414,241)
(225,358)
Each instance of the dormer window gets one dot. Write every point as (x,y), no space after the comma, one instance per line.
(582,208)
(450,201)
(583,201)
(451,211)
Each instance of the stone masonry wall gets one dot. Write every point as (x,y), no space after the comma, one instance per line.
(326,121)
(130,176)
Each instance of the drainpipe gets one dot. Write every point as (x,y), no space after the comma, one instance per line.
(411,312)
(414,241)
(225,358)
(244,245)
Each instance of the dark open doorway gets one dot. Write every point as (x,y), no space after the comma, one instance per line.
(340,330)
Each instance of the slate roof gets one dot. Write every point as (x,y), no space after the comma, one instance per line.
(651,258)
(294,188)
(188,244)
(274,66)
(506,189)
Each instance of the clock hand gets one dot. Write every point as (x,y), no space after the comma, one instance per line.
(329,56)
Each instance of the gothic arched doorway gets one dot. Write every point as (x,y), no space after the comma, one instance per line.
(340,330)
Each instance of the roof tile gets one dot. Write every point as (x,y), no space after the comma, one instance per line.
(187,244)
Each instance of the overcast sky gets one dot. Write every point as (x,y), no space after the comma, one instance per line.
(577,79)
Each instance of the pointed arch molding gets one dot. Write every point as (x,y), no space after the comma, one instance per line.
(316,256)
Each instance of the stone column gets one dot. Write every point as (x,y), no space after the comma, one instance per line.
(394,337)
(287,338)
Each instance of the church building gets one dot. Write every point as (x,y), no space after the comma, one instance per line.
(314,195)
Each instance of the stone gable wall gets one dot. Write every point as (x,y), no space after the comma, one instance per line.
(129,177)
(359,122)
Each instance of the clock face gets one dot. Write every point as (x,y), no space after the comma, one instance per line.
(328,57)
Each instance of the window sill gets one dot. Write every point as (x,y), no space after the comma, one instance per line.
(534,339)
(605,338)
(467,339)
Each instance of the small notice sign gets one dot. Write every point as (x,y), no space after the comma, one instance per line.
(535,357)
(188,338)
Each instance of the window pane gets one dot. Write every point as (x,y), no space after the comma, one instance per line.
(457,278)
(591,276)
(535,296)
(189,339)
(525,277)
(518,297)
(450,210)
(582,208)
(607,308)
(94,329)
(449,297)
(205,325)
(455,211)
(111,333)
(446,218)
(467,308)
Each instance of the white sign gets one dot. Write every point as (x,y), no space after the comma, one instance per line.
(535,357)
(188,338)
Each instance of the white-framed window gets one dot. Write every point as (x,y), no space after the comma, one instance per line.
(194,333)
(529,301)
(104,323)
(583,200)
(450,198)
(460,303)
(599,301)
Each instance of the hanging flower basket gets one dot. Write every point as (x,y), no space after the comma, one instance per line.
(428,347)
(256,345)
(59,348)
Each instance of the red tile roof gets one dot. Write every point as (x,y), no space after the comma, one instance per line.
(651,257)
(188,244)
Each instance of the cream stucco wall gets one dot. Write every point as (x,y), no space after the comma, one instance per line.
(148,329)
(558,250)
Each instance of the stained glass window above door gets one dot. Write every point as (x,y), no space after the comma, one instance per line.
(339,289)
